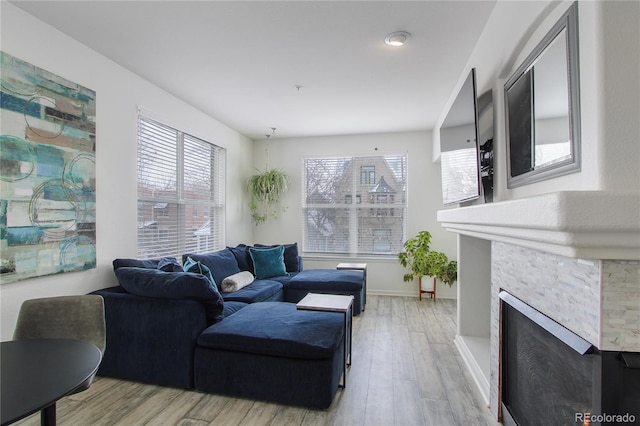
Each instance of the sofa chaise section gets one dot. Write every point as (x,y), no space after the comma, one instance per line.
(153,340)
(273,352)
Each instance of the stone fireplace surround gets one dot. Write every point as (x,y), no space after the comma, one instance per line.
(573,255)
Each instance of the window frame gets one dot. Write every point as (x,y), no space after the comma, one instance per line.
(187,184)
(358,206)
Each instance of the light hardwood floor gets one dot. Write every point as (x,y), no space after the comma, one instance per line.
(406,371)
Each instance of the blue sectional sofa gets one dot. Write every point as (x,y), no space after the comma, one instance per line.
(288,283)
(174,328)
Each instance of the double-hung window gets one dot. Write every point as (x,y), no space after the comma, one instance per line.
(355,205)
(181,199)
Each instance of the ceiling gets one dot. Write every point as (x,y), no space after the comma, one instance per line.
(307,68)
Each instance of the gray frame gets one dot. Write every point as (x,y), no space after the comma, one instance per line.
(568,23)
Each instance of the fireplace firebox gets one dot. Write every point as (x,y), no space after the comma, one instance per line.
(549,375)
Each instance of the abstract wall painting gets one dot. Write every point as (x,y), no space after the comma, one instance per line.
(47,173)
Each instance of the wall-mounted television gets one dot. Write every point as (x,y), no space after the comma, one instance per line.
(459,146)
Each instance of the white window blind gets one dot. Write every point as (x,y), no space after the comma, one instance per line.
(345,210)
(180,192)
(459,178)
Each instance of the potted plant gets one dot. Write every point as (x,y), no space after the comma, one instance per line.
(422,261)
(266,189)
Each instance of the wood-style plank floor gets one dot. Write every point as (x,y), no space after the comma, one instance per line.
(406,371)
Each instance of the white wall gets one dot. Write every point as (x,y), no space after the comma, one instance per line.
(609,45)
(119,93)
(384,275)
(609,48)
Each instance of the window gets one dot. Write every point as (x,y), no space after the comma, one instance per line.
(367,175)
(161,209)
(178,174)
(334,224)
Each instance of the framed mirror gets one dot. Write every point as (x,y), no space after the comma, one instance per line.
(542,108)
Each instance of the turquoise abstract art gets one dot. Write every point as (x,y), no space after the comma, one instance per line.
(47,173)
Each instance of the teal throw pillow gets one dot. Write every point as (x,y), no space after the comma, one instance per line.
(268,262)
(198,268)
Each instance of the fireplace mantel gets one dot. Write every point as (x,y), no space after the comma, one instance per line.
(577,224)
(572,255)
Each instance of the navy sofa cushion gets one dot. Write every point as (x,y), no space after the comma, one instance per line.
(257,291)
(268,262)
(222,263)
(322,279)
(241,253)
(277,329)
(232,307)
(284,280)
(169,264)
(143,263)
(291,258)
(172,285)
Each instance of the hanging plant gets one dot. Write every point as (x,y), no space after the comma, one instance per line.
(266,190)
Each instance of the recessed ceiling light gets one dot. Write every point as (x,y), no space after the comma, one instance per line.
(397,38)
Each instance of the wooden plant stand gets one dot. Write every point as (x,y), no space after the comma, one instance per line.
(432,293)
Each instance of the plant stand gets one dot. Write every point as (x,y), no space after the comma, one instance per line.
(432,293)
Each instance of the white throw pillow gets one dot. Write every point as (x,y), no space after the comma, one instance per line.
(236,281)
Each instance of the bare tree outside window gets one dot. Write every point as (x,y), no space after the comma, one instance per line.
(333,223)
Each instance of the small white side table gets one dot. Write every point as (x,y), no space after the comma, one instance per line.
(334,303)
(358,267)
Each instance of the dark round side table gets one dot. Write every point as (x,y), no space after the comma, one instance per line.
(36,373)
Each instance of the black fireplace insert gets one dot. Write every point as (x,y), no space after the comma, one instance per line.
(551,376)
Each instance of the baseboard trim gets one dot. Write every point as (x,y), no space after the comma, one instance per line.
(399,294)
(482,382)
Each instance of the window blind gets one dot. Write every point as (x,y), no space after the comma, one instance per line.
(457,183)
(181,198)
(355,205)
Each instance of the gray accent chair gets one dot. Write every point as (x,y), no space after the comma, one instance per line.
(64,317)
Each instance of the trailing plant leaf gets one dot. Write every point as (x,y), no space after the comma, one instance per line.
(449,273)
(266,190)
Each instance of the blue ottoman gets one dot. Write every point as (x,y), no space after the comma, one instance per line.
(327,281)
(271,351)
